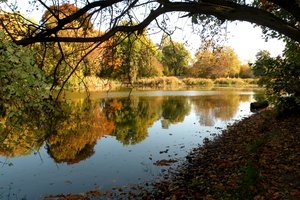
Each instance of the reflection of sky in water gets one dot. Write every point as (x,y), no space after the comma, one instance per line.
(114,164)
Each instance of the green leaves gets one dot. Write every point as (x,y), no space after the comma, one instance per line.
(280,76)
(22,83)
(175,58)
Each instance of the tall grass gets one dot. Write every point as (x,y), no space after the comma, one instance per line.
(251,81)
(197,81)
(158,82)
(94,83)
(229,81)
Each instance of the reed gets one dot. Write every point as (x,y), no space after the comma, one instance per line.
(197,81)
(158,82)
(95,83)
(229,81)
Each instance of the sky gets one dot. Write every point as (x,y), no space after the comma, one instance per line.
(243,37)
(247,41)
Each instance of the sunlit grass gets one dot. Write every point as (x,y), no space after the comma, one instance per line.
(197,81)
(251,81)
(158,82)
(94,83)
(234,81)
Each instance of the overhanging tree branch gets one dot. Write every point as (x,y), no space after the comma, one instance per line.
(224,10)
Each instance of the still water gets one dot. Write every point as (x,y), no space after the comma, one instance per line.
(112,139)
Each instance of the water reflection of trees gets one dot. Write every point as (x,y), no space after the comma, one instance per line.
(71,129)
(75,137)
(133,116)
(174,109)
(20,132)
(214,107)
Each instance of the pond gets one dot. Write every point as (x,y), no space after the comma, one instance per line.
(113,139)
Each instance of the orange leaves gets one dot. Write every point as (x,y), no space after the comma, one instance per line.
(116,105)
(64,10)
(86,196)
(164,162)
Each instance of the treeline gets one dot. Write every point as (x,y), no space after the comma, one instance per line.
(126,58)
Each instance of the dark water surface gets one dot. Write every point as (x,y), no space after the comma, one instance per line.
(113,140)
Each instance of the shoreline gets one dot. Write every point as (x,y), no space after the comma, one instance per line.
(97,84)
(255,158)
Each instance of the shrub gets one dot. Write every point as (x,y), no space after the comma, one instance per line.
(288,106)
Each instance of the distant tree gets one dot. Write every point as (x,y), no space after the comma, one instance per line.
(52,16)
(129,58)
(246,71)
(204,66)
(175,58)
(230,60)
(216,63)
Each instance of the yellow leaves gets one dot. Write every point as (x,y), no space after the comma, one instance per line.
(222,62)
(76,138)
(16,24)
(19,143)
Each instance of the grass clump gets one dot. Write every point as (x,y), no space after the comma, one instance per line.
(158,82)
(251,81)
(229,81)
(197,81)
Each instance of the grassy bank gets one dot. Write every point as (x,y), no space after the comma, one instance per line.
(97,84)
(186,82)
